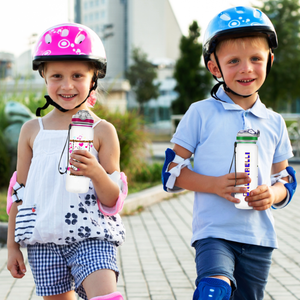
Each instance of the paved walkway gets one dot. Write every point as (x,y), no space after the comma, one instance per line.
(157,262)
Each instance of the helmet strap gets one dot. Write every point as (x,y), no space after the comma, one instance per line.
(49,101)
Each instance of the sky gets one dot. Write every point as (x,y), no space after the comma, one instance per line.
(19,19)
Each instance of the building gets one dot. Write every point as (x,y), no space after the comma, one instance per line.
(6,65)
(124,24)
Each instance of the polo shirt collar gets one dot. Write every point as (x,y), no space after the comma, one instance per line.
(258,109)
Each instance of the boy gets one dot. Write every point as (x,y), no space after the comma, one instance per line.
(233,246)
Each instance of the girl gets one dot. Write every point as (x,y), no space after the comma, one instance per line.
(71,240)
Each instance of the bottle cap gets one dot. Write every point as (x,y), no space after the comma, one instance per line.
(82,117)
(248,135)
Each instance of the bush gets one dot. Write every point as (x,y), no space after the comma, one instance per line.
(129,126)
(28,99)
(5,158)
(4,163)
(148,173)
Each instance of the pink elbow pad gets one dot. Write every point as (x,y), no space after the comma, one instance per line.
(121,180)
(10,201)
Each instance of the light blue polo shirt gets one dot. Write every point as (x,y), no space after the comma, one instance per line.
(208,129)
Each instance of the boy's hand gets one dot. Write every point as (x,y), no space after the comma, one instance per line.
(225,185)
(15,263)
(261,198)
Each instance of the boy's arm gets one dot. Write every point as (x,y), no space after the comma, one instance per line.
(223,186)
(279,188)
(263,197)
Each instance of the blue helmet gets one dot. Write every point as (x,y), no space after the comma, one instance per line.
(238,21)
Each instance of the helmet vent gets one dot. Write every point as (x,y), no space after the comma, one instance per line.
(79,38)
(240,10)
(48,39)
(225,17)
(257,14)
(65,32)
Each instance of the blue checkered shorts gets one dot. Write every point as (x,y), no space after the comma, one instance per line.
(58,269)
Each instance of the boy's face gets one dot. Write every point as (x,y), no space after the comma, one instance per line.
(243,63)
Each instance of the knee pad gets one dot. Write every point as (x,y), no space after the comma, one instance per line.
(112,296)
(212,289)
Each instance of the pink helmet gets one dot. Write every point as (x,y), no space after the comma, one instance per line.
(70,41)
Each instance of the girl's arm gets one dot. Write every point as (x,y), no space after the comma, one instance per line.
(109,157)
(223,186)
(15,263)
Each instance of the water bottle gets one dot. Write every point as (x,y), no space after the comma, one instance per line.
(246,160)
(81,135)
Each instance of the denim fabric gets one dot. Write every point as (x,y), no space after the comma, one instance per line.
(247,266)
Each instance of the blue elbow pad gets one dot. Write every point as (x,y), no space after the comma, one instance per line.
(290,186)
(168,177)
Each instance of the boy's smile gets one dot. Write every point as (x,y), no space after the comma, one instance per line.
(243,63)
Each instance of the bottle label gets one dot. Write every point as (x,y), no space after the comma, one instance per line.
(247,170)
(78,143)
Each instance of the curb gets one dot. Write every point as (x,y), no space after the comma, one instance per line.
(145,198)
(132,203)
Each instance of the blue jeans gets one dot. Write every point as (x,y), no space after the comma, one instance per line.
(247,266)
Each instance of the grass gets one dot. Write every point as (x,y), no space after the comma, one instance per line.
(133,188)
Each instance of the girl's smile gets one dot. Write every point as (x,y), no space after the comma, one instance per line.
(68,83)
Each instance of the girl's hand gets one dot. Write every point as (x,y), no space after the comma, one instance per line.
(15,263)
(85,162)
(261,198)
(225,185)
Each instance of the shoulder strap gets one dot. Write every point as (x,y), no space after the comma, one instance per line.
(95,124)
(41,123)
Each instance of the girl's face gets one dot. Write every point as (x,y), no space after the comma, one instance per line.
(68,83)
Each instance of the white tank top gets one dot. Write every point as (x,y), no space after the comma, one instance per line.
(50,214)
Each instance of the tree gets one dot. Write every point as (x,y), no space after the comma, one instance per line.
(193,80)
(141,75)
(282,85)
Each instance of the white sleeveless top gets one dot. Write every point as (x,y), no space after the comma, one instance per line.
(51,214)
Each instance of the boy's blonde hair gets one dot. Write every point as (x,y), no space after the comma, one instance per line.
(255,40)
